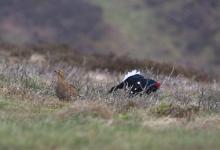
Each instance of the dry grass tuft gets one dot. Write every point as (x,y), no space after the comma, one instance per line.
(209,99)
(91,108)
(174,111)
(205,122)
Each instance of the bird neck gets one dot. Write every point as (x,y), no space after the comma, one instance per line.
(60,78)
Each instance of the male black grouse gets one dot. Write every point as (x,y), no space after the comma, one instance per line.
(136,84)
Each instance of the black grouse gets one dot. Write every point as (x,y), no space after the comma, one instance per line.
(136,84)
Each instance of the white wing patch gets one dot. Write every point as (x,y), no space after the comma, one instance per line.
(131,73)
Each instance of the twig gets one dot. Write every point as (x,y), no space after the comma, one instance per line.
(171,73)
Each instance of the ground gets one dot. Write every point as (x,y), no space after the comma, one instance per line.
(183,114)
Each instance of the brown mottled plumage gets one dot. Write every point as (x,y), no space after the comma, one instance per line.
(64,90)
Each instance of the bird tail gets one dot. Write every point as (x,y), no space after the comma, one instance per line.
(131,73)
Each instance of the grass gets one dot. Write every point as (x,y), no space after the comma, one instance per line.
(45,129)
(32,117)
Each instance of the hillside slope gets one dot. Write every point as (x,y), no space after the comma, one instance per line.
(184,32)
(179,31)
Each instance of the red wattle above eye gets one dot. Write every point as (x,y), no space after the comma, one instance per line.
(157,85)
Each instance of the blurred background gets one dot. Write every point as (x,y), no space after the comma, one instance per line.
(180,32)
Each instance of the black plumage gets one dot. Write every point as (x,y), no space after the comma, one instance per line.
(137,84)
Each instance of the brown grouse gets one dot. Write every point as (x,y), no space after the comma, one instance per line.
(64,90)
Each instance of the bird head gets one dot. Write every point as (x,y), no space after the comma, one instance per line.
(60,74)
(152,86)
(157,85)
